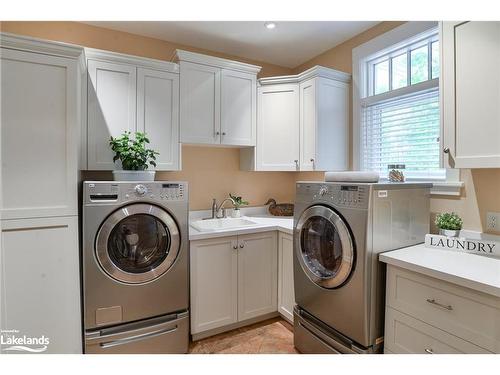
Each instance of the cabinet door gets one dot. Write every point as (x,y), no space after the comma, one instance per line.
(308,110)
(470,96)
(332,125)
(278,128)
(41,281)
(286,295)
(257,274)
(238,108)
(111,95)
(158,114)
(40,125)
(214,283)
(200,103)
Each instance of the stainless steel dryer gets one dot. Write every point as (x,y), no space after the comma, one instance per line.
(135,267)
(339,230)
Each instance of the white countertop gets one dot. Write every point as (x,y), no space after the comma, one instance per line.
(264,223)
(468,270)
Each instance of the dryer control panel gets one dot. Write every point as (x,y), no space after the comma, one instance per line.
(160,191)
(338,194)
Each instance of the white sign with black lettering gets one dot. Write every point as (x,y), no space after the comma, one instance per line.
(464,245)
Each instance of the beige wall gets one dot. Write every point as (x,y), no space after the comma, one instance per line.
(214,172)
(481,192)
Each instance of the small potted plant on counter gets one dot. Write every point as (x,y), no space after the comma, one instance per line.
(134,156)
(237,203)
(449,224)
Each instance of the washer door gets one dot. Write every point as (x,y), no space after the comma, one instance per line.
(137,243)
(325,247)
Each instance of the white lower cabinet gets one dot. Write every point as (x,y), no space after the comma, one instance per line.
(232,279)
(40,293)
(286,295)
(427,315)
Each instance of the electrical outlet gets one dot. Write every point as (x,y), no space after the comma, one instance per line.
(493,221)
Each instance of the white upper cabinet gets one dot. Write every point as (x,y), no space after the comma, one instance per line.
(128,93)
(278,128)
(158,114)
(40,123)
(217,100)
(470,81)
(238,108)
(111,109)
(302,123)
(200,103)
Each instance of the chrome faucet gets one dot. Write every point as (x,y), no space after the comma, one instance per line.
(218,211)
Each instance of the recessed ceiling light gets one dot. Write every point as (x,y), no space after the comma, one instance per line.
(270,25)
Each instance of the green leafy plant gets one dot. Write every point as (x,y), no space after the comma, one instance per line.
(449,221)
(238,201)
(133,152)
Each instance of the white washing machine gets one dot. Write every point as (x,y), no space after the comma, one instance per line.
(135,267)
(339,230)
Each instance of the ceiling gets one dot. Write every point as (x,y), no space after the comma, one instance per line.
(290,44)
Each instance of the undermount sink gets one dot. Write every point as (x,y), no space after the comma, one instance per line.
(211,225)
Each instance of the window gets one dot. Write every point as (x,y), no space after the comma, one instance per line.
(398,115)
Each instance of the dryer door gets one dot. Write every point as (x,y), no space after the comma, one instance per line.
(137,243)
(325,248)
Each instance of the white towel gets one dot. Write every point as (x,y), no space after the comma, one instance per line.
(354,176)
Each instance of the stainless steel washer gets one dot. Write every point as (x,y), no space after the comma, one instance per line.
(339,230)
(135,267)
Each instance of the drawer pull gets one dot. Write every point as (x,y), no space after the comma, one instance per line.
(433,301)
(429,351)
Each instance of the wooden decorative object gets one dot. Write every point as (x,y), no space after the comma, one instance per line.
(282,209)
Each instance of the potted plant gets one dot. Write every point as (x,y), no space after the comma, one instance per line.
(237,203)
(449,224)
(134,156)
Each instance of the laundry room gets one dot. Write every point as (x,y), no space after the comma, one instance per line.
(283,185)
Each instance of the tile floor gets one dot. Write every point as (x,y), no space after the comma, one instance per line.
(273,336)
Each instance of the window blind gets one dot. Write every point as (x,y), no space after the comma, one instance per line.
(403,130)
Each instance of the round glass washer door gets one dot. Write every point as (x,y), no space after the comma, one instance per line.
(325,248)
(137,243)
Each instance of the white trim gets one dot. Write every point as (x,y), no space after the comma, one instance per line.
(199,58)
(394,37)
(29,44)
(142,62)
(315,71)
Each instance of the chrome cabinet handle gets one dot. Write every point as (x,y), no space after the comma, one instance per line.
(242,245)
(296,163)
(429,351)
(223,133)
(446,150)
(434,302)
(235,247)
(217,133)
(312,160)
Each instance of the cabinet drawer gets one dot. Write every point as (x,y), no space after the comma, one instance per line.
(468,314)
(404,334)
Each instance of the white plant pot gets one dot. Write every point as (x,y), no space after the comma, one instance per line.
(236,213)
(449,232)
(121,175)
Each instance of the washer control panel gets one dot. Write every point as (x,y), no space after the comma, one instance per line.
(345,195)
(106,192)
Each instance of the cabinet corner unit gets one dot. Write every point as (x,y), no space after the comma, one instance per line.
(470,56)
(302,123)
(218,100)
(128,93)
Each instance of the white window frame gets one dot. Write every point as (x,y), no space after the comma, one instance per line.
(396,39)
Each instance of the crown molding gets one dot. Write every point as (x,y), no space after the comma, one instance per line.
(193,57)
(143,62)
(314,72)
(30,44)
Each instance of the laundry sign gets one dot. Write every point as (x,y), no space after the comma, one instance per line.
(464,245)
